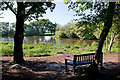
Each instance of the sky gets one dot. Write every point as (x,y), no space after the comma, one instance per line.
(60,15)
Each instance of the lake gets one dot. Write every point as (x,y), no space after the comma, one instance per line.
(50,39)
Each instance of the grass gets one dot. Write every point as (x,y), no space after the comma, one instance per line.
(33,49)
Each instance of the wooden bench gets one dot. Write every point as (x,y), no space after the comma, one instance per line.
(80,60)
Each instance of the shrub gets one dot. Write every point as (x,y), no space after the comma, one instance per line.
(6,42)
(75,47)
(52,44)
(84,44)
(89,48)
(67,46)
(94,43)
(7,49)
(60,34)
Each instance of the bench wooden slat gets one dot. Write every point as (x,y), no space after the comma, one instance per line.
(80,60)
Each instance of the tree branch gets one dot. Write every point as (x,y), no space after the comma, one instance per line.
(30,10)
(10,7)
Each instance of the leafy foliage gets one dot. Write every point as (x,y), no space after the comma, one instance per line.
(92,15)
(76,30)
(31,10)
(41,26)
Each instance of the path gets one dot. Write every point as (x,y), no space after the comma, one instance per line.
(49,67)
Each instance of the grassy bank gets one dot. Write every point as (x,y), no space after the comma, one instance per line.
(32,49)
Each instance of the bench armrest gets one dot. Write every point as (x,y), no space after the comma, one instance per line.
(69,59)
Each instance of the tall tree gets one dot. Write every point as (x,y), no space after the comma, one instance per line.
(24,11)
(105,31)
(99,12)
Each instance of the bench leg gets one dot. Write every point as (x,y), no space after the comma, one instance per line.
(66,65)
(73,68)
(101,65)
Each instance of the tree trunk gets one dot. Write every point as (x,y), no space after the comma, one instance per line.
(106,43)
(107,26)
(18,38)
(113,37)
(111,42)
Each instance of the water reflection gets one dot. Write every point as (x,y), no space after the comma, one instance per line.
(74,41)
(49,39)
(37,39)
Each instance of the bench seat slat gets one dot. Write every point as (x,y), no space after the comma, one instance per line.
(81,62)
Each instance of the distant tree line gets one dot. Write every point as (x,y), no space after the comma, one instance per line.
(6,29)
(35,28)
(76,30)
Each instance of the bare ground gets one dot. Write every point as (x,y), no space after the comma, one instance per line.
(52,68)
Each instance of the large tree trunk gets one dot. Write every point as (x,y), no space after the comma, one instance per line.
(107,26)
(18,38)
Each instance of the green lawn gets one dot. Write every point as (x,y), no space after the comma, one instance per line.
(32,49)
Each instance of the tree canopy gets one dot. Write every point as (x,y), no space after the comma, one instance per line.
(92,11)
(24,11)
(30,10)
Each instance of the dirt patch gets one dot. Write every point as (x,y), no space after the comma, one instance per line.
(52,68)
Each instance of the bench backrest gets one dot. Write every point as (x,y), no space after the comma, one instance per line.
(84,58)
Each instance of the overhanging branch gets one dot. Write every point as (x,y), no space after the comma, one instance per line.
(10,7)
